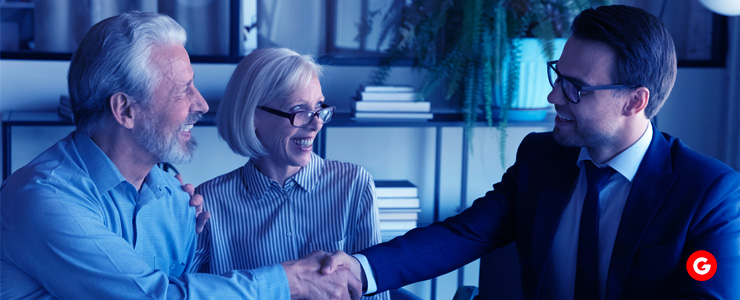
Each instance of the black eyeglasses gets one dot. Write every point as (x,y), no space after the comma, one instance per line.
(573,90)
(303,118)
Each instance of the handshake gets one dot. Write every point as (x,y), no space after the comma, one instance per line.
(321,275)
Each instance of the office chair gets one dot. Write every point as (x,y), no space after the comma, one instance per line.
(499,278)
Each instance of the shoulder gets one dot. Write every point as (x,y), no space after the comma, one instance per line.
(57,171)
(230,182)
(55,183)
(343,171)
(59,160)
(538,139)
(698,176)
(539,148)
(687,162)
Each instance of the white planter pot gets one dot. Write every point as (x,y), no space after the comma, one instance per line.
(533,88)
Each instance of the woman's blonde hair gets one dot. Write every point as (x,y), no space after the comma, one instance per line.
(263,76)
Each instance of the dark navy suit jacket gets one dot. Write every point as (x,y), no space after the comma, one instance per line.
(680,202)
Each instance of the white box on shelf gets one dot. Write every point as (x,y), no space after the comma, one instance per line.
(384,202)
(386,88)
(417,116)
(394,96)
(392,106)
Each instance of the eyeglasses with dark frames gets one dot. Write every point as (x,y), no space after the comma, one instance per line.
(304,118)
(573,90)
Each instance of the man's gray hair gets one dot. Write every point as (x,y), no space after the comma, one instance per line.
(114,57)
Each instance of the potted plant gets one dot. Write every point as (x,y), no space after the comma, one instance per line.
(475,48)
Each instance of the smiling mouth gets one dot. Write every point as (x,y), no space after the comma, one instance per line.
(561,117)
(304,143)
(186,128)
(190,121)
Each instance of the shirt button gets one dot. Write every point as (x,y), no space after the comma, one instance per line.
(172,266)
(289,233)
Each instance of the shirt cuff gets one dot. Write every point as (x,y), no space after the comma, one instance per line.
(372,286)
(272,282)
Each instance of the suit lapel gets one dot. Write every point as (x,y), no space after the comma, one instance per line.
(650,186)
(557,186)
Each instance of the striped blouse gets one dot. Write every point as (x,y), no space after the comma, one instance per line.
(255,222)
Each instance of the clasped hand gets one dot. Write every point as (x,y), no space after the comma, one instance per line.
(318,276)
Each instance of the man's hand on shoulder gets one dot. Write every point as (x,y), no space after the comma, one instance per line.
(196,200)
(307,282)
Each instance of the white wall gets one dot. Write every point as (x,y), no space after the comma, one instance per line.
(692,113)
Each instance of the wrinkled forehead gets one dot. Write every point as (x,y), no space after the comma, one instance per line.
(171,62)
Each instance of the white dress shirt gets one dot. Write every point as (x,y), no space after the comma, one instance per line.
(561,273)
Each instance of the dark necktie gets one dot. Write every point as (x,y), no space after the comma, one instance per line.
(588,236)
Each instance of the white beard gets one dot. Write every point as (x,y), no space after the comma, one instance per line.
(166,146)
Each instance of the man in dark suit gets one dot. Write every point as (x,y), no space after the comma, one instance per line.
(634,231)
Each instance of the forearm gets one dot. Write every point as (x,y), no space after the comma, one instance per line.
(269,282)
(430,251)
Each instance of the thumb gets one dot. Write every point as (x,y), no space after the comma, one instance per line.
(329,265)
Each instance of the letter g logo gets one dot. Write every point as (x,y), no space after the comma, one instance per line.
(701,265)
(704,269)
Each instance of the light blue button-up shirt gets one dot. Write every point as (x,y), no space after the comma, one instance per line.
(72,227)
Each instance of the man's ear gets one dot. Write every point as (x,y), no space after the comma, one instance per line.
(123,109)
(637,102)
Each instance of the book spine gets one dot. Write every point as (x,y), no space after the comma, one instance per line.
(393,115)
(392,106)
(400,96)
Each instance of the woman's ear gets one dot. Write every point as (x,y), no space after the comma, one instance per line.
(637,102)
(122,109)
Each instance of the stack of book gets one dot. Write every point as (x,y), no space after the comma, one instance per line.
(390,102)
(398,201)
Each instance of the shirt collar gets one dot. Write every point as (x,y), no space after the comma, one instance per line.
(627,162)
(104,174)
(256,182)
(158,183)
(307,177)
